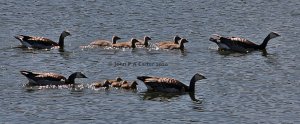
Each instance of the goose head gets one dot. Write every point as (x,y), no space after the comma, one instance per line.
(215,38)
(79,75)
(133,41)
(146,38)
(183,40)
(273,35)
(198,77)
(176,39)
(194,79)
(115,38)
(65,33)
(118,79)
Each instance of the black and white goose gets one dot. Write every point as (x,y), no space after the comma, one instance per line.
(165,84)
(144,43)
(43,79)
(103,43)
(240,44)
(41,42)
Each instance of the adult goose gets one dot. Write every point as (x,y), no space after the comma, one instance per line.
(103,43)
(41,42)
(43,79)
(126,85)
(241,44)
(129,44)
(175,41)
(165,84)
(175,46)
(144,43)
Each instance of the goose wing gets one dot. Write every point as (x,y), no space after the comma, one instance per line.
(164,42)
(161,82)
(37,40)
(49,76)
(122,44)
(169,46)
(237,41)
(101,43)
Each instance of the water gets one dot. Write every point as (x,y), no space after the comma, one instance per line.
(240,88)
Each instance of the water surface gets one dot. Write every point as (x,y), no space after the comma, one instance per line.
(240,88)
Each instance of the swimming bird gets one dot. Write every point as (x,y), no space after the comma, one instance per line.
(99,84)
(118,79)
(117,84)
(175,41)
(41,42)
(46,78)
(165,84)
(129,44)
(241,44)
(126,85)
(175,46)
(144,43)
(105,42)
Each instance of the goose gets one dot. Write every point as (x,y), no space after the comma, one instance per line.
(105,42)
(240,44)
(129,44)
(41,42)
(126,85)
(44,78)
(165,84)
(99,84)
(175,41)
(175,46)
(144,43)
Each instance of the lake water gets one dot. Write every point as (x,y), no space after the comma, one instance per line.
(240,88)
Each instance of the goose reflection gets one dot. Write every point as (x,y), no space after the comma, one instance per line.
(163,96)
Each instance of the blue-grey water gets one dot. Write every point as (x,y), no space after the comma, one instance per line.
(240,88)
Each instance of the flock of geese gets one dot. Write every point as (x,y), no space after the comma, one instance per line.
(163,84)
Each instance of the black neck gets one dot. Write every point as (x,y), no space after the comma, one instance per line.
(181,45)
(114,41)
(263,45)
(71,79)
(133,45)
(192,85)
(61,41)
(146,43)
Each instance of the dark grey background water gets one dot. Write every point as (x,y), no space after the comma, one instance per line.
(239,88)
